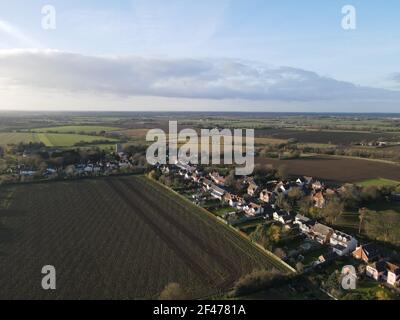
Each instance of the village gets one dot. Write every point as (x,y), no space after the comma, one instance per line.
(38,164)
(292,218)
(310,243)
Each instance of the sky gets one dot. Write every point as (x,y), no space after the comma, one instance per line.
(209,55)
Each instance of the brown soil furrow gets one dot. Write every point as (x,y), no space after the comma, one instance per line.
(203,272)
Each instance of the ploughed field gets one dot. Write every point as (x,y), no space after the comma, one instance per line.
(332,137)
(337,169)
(116,238)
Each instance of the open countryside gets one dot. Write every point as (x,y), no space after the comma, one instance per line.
(80,192)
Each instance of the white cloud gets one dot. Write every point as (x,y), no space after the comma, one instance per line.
(215,79)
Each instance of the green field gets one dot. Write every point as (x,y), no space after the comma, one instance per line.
(381,182)
(17,137)
(77,129)
(51,139)
(349,221)
(67,140)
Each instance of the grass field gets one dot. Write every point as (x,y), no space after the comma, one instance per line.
(349,221)
(67,140)
(380,182)
(76,129)
(48,139)
(119,238)
(17,137)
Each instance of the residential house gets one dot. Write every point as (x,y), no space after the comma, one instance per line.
(217,192)
(330,192)
(281,188)
(185,167)
(248,180)
(165,169)
(304,223)
(318,199)
(342,243)
(269,211)
(265,196)
(124,164)
(395,196)
(195,177)
(119,148)
(321,233)
(217,178)
(282,216)
(317,186)
(27,173)
(252,189)
(368,253)
(207,184)
(384,271)
(300,182)
(234,200)
(253,209)
(304,181)
(88,169)
(393,274)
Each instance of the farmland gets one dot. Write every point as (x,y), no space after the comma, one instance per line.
(337,169)
(67,140)
(76,129)
(49,139)
(117,238)
(327,136)
(17,137)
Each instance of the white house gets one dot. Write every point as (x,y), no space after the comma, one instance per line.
(217,192)
(253,209)
(342,243)
(282,216)
(304,223)
(393,274)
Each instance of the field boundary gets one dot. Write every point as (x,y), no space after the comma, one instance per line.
(360,158)
(265,252)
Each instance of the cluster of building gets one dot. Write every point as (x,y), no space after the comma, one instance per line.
(341,243)
(86,168)
(259,201)
(378,267)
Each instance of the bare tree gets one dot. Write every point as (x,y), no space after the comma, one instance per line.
(362,212)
